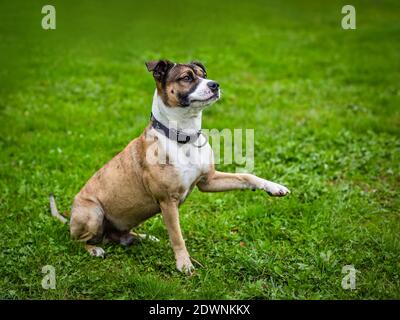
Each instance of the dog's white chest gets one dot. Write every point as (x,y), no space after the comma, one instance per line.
(190,160)
(192,163)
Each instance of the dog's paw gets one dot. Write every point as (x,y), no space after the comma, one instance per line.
(274,189)
(152,238)
(184,265)
(97,252)
(145,236)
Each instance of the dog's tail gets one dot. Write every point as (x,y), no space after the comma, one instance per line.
(54,210)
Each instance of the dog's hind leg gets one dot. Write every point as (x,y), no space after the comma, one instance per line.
(124,238)
(115,235)
(127,238)
(87,225)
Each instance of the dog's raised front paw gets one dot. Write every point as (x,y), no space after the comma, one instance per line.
(183,264)
(275,190)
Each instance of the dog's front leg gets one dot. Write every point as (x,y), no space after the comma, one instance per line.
(217,181)
(170,214)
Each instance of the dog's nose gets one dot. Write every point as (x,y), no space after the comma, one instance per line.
(213,85)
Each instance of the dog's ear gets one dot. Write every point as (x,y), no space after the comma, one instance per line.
(159,68)
(199,64)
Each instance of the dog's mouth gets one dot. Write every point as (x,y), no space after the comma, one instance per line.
(212,98)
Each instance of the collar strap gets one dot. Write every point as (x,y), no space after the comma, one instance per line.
(175,135)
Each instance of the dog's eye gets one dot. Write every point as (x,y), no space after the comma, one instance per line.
(205,76)
(186,78)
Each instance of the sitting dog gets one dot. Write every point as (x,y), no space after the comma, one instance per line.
(153,174)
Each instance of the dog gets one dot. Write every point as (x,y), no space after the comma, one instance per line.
(135,185)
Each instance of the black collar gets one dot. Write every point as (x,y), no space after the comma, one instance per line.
(173,134)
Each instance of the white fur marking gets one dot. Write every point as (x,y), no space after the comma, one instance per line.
(190,161)
(97,252)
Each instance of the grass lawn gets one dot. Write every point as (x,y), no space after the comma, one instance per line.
(323,103)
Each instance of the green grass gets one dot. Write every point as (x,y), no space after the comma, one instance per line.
(324,104)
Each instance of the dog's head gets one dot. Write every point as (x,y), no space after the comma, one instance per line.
(183,85)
